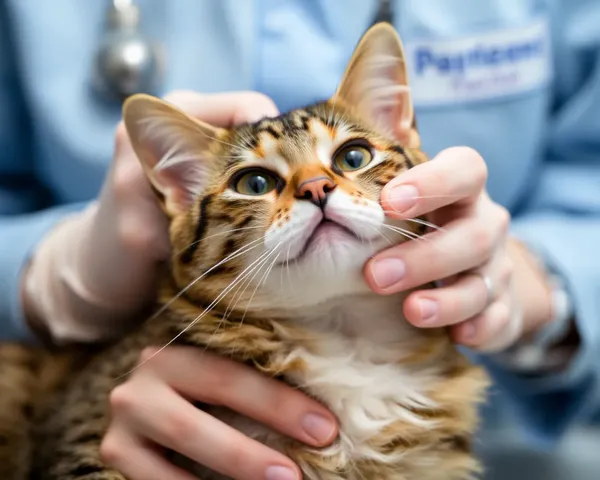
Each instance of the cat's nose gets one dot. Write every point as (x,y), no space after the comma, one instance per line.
(316,190)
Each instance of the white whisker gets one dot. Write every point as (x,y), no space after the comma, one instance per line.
(233,255)
(208,309)
(216,235)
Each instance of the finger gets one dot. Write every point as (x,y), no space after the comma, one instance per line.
(224,109)
(137,461)
(465,298)
(492,330)
(456,176)
(464,244)
(171,421)
(212,379)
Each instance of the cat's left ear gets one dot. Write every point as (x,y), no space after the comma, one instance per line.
(375,85)
(176,150)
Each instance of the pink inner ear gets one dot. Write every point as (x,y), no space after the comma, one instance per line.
(389,108)
(182,178)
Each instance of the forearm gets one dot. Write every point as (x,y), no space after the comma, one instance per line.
(19,237)
(59,302)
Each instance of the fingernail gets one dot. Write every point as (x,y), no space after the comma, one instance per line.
(317,427)
(429,310)
(388,271)
(278,472)
(403,197)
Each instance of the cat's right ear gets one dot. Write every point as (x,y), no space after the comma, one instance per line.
(175,149)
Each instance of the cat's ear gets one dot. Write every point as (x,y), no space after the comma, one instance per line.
(375,84)
(174,149)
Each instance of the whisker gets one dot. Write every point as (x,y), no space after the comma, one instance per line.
(231,256)
(252,268)
(225,291)
(245,285)
(426,223)
(262,280)
(419,221)
(287,269)
(239,296)
(380,233)
(406,233)
(216,235)
(270,268)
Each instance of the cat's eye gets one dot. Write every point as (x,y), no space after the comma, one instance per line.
(352,157)
(255,182)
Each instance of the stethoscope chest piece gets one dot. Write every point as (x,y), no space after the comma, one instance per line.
(126,62)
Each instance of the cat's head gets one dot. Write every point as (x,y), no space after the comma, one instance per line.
(287,207)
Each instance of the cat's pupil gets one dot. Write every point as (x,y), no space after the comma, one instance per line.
(258,183)
(354,158)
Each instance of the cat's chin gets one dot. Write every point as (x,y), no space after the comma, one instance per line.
(331,267)
(328,243)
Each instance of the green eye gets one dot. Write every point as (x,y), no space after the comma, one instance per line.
(352,157)
(255,182)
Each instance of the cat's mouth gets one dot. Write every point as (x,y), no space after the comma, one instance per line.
(324,235)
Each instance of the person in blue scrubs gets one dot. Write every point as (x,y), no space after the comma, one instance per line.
(516,82)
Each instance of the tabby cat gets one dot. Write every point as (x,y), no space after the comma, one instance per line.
(271,224)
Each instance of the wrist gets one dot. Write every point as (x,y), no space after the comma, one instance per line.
(550,338)
(533,287)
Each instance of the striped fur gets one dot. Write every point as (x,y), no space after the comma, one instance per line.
(275,281)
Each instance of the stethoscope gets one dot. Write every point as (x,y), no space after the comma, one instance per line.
(128,61)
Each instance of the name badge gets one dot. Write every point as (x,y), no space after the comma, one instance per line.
(479,67)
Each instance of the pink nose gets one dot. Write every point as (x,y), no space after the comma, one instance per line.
(316,190)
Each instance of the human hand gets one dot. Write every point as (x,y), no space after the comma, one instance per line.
(470,248)
(150,413)
(96,269)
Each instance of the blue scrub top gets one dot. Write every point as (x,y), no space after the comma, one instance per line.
(518,80)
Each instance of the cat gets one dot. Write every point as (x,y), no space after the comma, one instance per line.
(271,224)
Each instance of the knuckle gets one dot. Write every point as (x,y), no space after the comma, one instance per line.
(148,353)
(121,137)
(136,237)
(478,166)
(237,455)
(122,399)
(177,428)
(450,307)
(506,272)
(504,218)
(501,317)
(110,450)
(481,242)
(125,179)
(216,381)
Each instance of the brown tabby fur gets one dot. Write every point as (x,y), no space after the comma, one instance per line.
(54,409)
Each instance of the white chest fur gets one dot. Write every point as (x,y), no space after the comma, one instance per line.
(356,368)
(354,365)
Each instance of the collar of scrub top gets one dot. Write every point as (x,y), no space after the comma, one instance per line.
(129,62)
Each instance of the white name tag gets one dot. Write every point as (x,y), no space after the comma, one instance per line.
(479,67)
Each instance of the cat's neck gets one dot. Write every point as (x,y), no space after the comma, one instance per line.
(366,316)
(370,326)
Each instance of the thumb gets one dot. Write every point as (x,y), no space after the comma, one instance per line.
(224,109)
